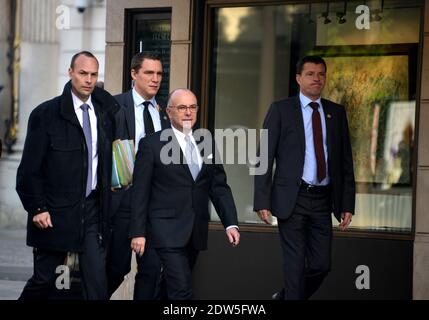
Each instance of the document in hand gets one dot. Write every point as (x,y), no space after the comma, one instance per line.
(123,157)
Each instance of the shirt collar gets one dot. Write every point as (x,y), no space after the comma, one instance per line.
(138,99)
(77,102)
(180,134)
(305,100)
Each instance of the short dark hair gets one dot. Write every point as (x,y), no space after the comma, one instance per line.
(82,53)
(309,59)
(136,61)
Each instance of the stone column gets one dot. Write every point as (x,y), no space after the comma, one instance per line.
(4,62)
(39,56)
(5,99)
(38,53)
(421,242)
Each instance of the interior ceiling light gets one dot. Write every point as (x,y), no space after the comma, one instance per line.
(341,16)
(326,15)
(375,15)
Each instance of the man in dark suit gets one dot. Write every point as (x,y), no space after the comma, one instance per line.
(139,116)
(63,181)
(170,200)
(308,137)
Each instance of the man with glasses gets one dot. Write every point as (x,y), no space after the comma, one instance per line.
(140,116)
(172,217)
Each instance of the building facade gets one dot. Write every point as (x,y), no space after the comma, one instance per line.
(239,56)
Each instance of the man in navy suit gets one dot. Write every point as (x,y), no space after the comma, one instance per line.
(140,116)
(308,138)
(170,200)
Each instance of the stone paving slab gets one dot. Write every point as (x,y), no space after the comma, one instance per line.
(10,290)
(16,263)
(13,249)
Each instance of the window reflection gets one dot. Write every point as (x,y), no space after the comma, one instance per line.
(370,71)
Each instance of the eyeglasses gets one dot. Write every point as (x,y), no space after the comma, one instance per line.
(182,108)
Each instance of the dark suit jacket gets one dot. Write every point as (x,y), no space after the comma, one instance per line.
(52,173)
(126,129)
(169,208)
(286,145)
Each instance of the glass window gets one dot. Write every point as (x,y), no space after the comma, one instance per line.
(371,54)
(150,31)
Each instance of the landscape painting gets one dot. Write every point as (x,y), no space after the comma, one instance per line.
(370,88)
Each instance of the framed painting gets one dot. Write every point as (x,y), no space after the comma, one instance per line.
(376,84)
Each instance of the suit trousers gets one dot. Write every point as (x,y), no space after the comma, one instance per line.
(91,263)
(149,284)
(149,281)
(178,264)
(306,238)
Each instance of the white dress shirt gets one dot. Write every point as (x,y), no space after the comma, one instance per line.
(180,136)
(93,120)
(138,116)
(310,163)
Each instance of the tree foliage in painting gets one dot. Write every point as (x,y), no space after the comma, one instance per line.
(360,83)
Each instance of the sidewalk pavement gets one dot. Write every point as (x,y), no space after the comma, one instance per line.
(16,263)
(10,290)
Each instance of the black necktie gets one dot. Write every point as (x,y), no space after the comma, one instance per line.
(147,119)
(318,142)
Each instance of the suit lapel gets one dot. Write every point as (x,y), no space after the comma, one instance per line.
(299,124)
(164,118)
(129,115)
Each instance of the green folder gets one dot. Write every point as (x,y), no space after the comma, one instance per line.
(123,157)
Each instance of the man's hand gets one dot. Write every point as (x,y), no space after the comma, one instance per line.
(265,215)
(42,220)
(233,236)
(346,219)
(137,244)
